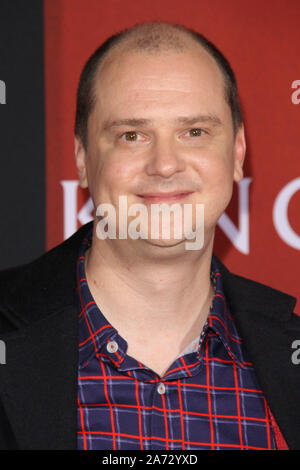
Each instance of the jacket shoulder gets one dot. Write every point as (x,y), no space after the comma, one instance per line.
(249,295)
(40,287)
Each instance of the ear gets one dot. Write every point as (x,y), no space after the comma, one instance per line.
(239,153)
(80,157)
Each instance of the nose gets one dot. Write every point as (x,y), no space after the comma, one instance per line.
(164,158)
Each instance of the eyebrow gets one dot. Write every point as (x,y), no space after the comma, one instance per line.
(201,118)
(126,122)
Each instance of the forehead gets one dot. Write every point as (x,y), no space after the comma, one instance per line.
(130,80)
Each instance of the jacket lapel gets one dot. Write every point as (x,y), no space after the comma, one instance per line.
(269,345)
(268,327)
(39,380)
(39,383)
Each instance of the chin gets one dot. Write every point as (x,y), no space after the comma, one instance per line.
(165,248)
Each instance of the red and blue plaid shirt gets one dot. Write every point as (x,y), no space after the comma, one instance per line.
(207,399)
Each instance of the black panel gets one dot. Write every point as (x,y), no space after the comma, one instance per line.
(22,135)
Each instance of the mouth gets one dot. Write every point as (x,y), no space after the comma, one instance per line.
(173,196)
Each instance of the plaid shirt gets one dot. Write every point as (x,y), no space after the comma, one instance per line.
(209,397)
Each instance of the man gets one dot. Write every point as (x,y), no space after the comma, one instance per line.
(138,342)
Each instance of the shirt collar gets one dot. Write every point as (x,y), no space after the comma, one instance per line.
(220,320)
(95,331)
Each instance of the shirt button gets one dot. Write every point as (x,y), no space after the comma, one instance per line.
(112,346)
(161,388)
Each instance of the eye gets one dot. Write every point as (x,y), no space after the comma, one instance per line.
(130,136)
(196,132)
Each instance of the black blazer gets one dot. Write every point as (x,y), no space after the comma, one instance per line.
(38,322)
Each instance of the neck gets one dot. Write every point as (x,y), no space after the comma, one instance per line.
(155,293)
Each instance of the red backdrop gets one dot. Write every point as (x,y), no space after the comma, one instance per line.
(262,42)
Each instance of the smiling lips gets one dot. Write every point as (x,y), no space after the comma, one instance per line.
(164,197)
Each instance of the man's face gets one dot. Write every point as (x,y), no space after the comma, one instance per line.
(161,124)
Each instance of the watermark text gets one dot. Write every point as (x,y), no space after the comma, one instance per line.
(166,222)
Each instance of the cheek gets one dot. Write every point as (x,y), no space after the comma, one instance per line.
(118,174)
(216,174)
(215,168)
(114,178)
(122,168)
(220,183)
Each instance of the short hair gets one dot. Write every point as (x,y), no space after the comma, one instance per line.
(151,38)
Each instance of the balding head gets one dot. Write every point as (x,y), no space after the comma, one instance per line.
(155,38)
